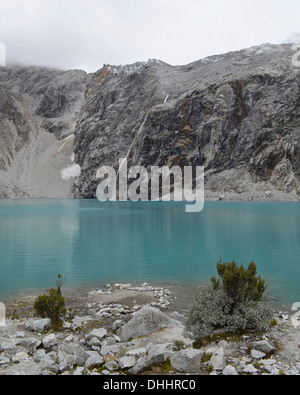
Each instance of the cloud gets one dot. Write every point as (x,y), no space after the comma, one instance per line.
(86,34)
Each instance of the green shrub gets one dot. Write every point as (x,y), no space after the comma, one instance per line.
(241,285)
(52,305)
(230,304)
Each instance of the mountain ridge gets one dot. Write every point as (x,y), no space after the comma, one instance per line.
(236,114)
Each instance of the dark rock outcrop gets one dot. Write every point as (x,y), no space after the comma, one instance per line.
(237,114)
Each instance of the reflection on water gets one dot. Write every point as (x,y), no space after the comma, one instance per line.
(89,242)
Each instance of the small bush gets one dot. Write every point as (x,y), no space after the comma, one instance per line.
(241,285)
(273,322)
(230,304)
(52,305)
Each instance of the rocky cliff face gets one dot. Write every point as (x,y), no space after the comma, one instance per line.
(38,109)
(237,114)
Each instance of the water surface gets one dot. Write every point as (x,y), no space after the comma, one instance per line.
(92,243)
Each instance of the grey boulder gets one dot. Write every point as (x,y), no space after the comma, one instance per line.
(187,361)
(145,321)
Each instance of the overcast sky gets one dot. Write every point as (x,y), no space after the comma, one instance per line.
(86,34)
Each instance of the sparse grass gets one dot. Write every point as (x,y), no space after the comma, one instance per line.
(122,351)
(164,368)
(273,323)
(178,345)
(227,336)
(206,357)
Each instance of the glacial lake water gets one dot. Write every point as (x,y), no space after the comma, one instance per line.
(93,243)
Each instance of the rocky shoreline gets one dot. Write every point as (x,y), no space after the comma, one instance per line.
(135,330)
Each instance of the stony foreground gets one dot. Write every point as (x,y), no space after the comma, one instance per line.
(110,333)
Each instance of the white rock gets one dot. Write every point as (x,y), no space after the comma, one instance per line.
(49,341)
(146,320)
(30,343)
(41,326)
(138,352)
(141,364)
(230,371)
(159,353)
(4,360)
(223,343)
(94,361)
(78,371)
(118,339)
(257,354)
(187,361)
(127,362)
(69,339)
(111,366)
(97,333)
(94,342)
(156,354)
(110,349)
(20,357)
(250,369)
(265,346)
(125,286)
(105,315)
(78,321)
(6,345)
(268,362)
(218,360)
(43,358)
(267,365)
(65,361)
(25,368)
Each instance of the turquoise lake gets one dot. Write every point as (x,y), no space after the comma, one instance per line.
(93,243)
